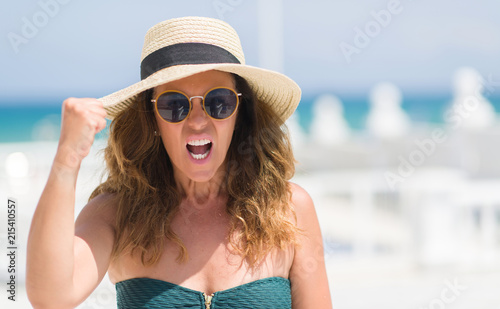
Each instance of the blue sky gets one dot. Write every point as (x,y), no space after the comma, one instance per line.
(92,48)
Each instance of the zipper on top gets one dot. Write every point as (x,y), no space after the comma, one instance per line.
(208,300)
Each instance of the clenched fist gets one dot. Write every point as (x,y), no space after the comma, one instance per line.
(82,119)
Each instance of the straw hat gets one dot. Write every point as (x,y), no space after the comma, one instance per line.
(181,47)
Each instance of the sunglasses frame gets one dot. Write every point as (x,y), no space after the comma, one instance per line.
(155,101)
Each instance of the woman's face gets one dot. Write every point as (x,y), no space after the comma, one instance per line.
(198,145)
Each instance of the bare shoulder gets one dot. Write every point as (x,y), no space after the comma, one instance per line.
(308,276)
(95,232)
(100,210)
(302,204)
(93,243)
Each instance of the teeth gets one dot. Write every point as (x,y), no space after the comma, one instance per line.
(199,156)
(199,142)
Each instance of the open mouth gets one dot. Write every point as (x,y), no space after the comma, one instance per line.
(199,149)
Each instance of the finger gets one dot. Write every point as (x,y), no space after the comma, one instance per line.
(97,108)
(86,102)
(101,112)
(101,124)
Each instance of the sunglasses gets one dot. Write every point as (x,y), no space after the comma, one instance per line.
(218,103)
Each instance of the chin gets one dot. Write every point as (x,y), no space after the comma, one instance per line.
(202,176)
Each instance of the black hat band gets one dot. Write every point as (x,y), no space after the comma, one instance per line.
(184,53)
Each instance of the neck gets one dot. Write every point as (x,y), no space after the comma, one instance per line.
(201,193)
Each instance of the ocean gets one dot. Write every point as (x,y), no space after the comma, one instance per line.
(36,121)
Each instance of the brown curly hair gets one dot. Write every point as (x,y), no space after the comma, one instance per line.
(259,161)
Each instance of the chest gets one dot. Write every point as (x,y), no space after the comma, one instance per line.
(212,263)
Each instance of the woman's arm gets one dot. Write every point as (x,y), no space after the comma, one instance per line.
(308,277)
(60,269)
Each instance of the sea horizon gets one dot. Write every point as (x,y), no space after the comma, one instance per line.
(25,121)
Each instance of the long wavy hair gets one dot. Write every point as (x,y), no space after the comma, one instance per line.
(140,176)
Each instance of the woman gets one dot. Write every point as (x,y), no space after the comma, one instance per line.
(197,210)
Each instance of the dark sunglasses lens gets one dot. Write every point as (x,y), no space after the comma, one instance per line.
(220,103)
(173,106)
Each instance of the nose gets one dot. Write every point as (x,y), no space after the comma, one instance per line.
(197,118)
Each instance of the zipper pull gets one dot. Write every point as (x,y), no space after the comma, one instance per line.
(208,300)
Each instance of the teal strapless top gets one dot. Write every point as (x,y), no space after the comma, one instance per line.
(272,292)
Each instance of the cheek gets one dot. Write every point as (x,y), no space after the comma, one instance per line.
(170,135)
(227,134)
(168,144)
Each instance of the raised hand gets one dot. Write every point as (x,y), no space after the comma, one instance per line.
(82,119)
